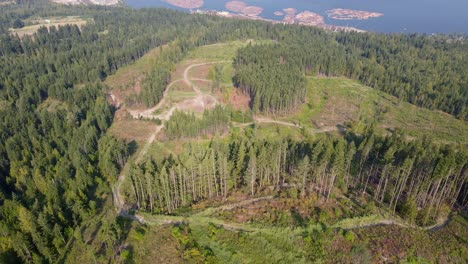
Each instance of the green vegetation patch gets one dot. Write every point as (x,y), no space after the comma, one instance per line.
(221,51)
(336,101)
(127,75)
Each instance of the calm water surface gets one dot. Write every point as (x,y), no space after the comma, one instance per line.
(423,16)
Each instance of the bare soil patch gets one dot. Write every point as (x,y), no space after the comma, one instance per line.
(336,112)
(178,73)
(238,100)
(131,129)
(204,86)
(181,86)
(200,72)
(197,105)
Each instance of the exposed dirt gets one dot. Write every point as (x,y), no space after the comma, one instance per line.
(336,112)
(138,130)
(200,72)
(199,103)
(238,100)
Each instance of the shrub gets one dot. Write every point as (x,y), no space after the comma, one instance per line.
(409,210)
(349,235)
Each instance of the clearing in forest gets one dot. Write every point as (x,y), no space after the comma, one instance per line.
(32,25)
(126,80)
(337,102)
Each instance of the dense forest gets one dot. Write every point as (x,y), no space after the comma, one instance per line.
(184,125)
(57,162)
(273,83)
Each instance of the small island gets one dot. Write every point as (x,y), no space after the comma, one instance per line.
(189,4)
(278,13)
(349,14)
(290,15)
(241,7)
(310,19)
(235,6)
(252,10)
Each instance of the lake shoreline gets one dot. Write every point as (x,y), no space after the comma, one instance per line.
(327,27)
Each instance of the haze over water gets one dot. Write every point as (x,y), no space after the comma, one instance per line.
(422,16)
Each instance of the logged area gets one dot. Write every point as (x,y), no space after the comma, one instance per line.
(151,135)
(33,25)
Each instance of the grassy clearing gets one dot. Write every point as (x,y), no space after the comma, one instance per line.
(47,22)
(216,52)
(150,245)
(221,51)
(127,75)
(132,129)
(178,96)
(334,101)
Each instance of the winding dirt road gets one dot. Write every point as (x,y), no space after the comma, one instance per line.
(204,216)
(149,114)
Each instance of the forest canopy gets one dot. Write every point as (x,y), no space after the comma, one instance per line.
(57,161)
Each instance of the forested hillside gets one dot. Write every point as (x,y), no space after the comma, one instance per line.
(58,164)
(274,83)
(395,172)
(426,71)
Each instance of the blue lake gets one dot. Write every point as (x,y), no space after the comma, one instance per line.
(423,16)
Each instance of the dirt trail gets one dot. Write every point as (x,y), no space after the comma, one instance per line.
(272,121)
(204,216)
(393,221)
(268,120)
(231,206)
(186,74)
(148,113)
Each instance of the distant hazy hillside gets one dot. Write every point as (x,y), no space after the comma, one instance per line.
(86,2)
